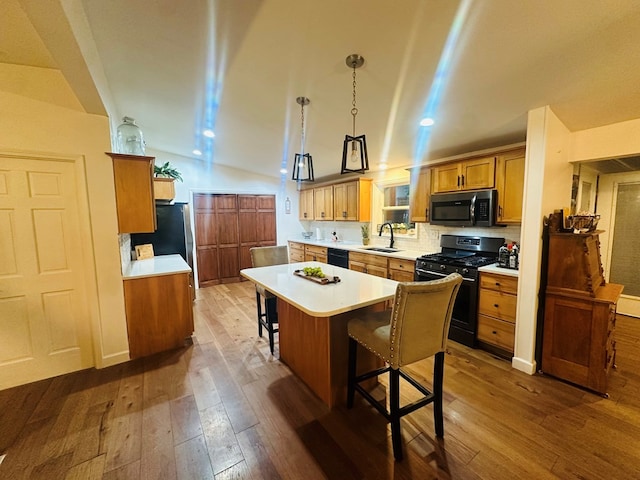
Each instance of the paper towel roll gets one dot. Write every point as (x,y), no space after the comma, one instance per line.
(319,235)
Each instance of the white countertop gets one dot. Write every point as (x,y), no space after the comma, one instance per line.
(358,247)
(354,290)
(156,266)
(499,270)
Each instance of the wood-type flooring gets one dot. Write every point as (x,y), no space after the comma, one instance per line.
(224,408)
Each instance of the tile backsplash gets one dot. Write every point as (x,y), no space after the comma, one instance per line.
(427,239)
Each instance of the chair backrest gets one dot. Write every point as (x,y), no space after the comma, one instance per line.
(421,317)
(266,256)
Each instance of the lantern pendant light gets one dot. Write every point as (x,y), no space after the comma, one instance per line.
(354,149)
(302,162)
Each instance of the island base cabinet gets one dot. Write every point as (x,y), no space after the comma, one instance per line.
(159,313)
(316,350)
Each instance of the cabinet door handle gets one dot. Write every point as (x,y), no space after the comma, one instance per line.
(496,305)
(497,284)
(463,180)
(344,214)
(305,215)
(494,332)
(458,180)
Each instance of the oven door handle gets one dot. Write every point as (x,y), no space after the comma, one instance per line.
(419,271)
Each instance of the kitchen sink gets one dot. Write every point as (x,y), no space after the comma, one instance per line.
(381,249)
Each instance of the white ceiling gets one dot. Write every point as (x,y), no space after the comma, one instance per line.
(238,66)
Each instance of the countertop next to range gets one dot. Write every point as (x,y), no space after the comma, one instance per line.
(499,270)
(358,247)
(156,266)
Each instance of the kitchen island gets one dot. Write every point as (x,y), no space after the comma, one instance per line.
(158,301)
(313,321)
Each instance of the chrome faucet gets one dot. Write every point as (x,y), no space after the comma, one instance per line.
(390,229)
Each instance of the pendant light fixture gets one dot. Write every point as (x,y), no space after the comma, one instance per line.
(354,150)
(302,162)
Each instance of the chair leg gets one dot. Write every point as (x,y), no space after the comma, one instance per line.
(438,376)
(259,303)
(394,411)
(272,318)
(351,373)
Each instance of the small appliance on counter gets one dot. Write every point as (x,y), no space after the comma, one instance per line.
(509,256)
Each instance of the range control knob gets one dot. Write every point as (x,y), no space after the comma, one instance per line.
(443,267)
(465,271)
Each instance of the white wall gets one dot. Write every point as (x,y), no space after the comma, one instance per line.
(52,121)
(548,176)
(203,176)
(610,141)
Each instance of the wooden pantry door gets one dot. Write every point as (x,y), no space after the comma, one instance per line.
(227,226)
(44,319)
(257,224)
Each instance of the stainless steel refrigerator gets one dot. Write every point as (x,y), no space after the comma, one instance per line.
(173,235)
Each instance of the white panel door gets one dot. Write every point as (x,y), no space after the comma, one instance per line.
(619,207)
(44,321)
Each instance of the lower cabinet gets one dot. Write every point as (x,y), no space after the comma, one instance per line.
(313,253)
(497,313)
(368,263)
(296,252)
(401,270)
(159,312)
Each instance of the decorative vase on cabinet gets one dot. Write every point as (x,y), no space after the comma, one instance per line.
(130,139)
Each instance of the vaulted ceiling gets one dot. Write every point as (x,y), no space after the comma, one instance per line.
(237,66)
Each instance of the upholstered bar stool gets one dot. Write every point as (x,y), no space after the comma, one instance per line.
(267,318)
(418,329)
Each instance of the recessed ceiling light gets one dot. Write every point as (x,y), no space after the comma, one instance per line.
(427,122)
(208,133)
(283,171)
(383,166)
(197,152)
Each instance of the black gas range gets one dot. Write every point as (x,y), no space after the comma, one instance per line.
(463,255)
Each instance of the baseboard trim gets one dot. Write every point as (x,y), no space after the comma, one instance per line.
(523,365)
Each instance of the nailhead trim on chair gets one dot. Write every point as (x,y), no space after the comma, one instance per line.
(378,354)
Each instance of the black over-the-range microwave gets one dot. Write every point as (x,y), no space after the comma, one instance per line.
(464,209)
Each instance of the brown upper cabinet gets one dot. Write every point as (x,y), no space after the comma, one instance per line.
(471,174)
(306,205)
(343,201)
(352,201)
(135,203)
(420,191)
(323,203)
(510,186)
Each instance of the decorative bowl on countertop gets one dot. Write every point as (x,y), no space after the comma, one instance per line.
(307,235)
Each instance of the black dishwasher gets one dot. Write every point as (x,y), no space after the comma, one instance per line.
(338,257)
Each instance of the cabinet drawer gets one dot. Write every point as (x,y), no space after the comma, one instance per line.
(369,259)
(496,332)
(501,283)
(401,275)
(497,304)
(402,265)
(316,250)
(296,246)
(296,256)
